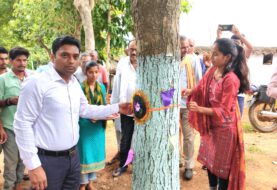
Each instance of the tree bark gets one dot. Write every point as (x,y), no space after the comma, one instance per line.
(156,144)
(43,45)
(78,28)
(84,8)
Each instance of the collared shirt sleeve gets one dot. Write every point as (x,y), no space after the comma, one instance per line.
(116,88)
(123,87)
(94,111)
(28,109)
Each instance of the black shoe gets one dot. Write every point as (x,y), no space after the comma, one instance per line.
(119,171)
(188,174)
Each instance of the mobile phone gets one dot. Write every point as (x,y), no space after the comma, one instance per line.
(226,27)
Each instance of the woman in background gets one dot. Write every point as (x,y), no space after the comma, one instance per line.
(91,144)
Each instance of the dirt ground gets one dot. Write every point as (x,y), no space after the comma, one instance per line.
(261,171)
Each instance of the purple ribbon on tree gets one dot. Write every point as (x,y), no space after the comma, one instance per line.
(130,157)
(167,96)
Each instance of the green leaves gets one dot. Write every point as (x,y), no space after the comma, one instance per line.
(119,26)
(34,24)
(185,6)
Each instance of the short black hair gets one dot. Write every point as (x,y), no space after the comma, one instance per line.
(17,51)
(60,41)
(3,50)
(91,64)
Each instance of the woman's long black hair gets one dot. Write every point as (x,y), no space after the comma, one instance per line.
(237,63)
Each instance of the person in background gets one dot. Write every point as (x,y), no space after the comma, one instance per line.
(4,60)
(126,85)
(103,76)
(241,40)
(190,74)
(272,86)
(46,122)
(205,62)
(80,73)
(91,144)
(44,68)
(195,57)
(215,114)
(10,86)
(272,92)
(122,63)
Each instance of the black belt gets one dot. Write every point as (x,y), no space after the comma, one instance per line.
(68,152)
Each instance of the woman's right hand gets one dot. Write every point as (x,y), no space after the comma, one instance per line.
(185,92)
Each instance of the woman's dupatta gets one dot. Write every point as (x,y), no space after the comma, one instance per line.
(237,171)
(200,95)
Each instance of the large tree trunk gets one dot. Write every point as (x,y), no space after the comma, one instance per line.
(84,8)
(156,145)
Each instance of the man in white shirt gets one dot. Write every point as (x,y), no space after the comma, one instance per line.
(46,121)
(125,85)
(124,61)
(190,74)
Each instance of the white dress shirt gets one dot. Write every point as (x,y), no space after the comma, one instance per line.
(124,83)
(48,113)
(123,62)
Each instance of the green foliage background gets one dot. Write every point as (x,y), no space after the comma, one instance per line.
(34,24)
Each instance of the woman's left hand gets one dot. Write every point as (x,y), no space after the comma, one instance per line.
(193,106)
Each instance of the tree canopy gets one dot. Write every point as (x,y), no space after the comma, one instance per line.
(35,25)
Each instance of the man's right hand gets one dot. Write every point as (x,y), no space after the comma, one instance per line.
(125,108)
(13,100)
(3,134)
(38,178)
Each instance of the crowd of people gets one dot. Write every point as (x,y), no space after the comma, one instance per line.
(52,121)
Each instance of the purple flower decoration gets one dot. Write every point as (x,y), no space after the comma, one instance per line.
(167,96)
(137,107)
